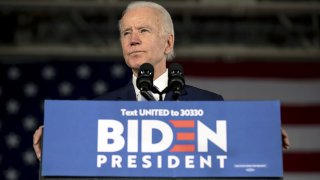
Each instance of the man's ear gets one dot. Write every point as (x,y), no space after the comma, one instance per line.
(169,44)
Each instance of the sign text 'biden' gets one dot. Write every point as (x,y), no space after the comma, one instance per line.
(154,138)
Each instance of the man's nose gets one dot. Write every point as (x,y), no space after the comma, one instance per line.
(135,39)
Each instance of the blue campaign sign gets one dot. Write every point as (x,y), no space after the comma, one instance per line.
(162,139)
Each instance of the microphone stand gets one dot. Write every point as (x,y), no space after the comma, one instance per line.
(147,95)
(155,90)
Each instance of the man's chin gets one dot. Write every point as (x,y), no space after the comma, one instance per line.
(137,64)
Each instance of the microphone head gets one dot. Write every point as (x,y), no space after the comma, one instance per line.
(146,67)
(176,68)
(176,77)
(145,77)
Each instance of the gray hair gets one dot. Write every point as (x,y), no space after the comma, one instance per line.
(166,19)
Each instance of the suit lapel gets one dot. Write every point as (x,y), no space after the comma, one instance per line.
(183,95)
(127,93)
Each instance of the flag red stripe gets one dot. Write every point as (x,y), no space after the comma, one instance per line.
(301,162)
(308,115)
(254,69)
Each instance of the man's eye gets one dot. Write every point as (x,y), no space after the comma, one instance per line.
(125,33)
(144,30)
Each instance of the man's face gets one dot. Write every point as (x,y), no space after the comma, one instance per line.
(142,39)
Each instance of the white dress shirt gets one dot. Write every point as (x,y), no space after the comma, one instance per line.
(160,83)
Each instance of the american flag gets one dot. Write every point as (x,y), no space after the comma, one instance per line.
(295,83)
(26,83)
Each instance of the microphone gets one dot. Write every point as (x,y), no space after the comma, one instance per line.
(176,79)
(145,80)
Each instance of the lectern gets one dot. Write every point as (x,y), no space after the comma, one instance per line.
(128,140)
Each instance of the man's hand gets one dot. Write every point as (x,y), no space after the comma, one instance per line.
(37,136)
(285,140)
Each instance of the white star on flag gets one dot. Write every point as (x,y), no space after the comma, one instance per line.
(13,140)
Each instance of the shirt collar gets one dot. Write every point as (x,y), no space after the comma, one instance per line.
(161,83)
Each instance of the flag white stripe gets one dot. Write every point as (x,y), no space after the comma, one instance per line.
(301,176)
(288,91)
(304,138)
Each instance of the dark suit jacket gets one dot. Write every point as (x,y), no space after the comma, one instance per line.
(189,93)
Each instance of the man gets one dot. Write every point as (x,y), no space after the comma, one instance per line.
(147,36)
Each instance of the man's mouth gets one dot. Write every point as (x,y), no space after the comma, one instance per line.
(135,52)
